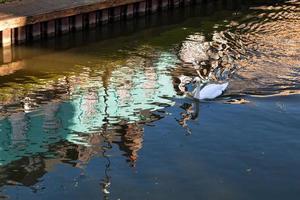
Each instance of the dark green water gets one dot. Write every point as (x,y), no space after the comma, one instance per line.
(99,115)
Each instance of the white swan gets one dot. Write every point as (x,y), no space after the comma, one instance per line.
(207,91)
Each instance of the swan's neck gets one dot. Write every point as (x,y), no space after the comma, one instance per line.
(197,90)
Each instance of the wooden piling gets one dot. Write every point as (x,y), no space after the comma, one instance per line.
(117,13)
(142,8)
(78,22)
(44,27)
(104,16)
(130,11)
(164,4)
(21,35)
(36,31)
(51,28)
(154,5)
(92,19)
(16,30)
(65,25)
(6,37)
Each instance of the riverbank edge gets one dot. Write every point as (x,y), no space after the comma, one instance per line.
(16,30)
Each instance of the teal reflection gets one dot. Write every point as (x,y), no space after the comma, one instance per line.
(24,134)
(101,101)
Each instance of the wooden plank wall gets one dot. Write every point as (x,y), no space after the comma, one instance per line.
(21,29)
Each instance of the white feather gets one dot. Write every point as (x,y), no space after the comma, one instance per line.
(209,91)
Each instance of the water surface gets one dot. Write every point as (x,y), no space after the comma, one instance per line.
(99,115)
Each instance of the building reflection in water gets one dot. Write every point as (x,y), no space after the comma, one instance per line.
(19,127)
(79,117)
(133,140)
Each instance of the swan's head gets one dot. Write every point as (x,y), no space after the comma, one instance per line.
(198,81)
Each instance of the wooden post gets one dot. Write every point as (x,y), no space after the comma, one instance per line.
(65,25)
(164,4)
(104,16)
(155,5)
(43,30)
(136,9)
(142,8)
(98,17)
(6,37)
(21,34)
(123,12)
(117,13)
(148,6)
(78,22)
(14,34)
(92,19)
(110,14)
(50,28)
(85,21)
(130,10)
(57,25)
(36,31)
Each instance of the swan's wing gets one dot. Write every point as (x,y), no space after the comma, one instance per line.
(212,91)
(224,86)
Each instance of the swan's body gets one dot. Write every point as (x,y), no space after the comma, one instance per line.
(209,91)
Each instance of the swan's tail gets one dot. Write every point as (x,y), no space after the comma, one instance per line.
(224,86)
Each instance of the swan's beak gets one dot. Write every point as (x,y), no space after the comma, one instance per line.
(196,80)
